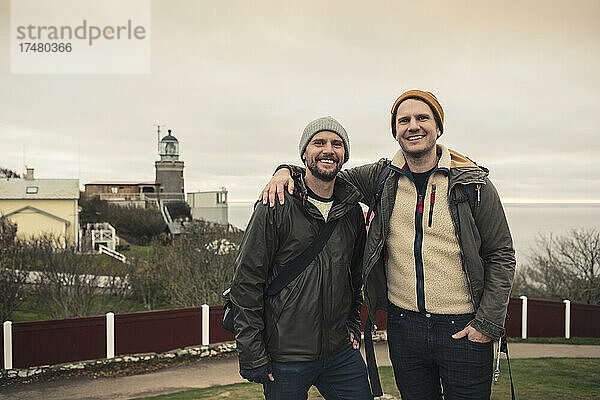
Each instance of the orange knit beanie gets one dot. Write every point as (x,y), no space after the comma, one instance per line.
(427,97)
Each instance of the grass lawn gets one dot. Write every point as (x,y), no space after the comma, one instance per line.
(558,340)
(29,311)
(142,252)
(535,379)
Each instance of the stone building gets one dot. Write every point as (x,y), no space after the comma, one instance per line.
(169,170)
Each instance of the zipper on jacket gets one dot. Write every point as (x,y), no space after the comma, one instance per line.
(431,204)
(418,252)
(323,342)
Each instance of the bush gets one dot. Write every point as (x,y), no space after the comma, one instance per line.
(64,283)
(136,225)
(8,173)
(179,209)
(12,276)
(71,285)
(147,278)
(563,267)
(199,264)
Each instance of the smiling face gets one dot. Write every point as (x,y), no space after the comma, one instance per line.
(324,155)
(416,129)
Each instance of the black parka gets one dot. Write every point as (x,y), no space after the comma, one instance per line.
(309,319)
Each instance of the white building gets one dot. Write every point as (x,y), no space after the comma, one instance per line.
(209,206)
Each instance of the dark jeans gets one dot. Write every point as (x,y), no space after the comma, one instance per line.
(341,376)
(423,352)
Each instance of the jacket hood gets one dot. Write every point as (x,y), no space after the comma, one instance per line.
(463,170)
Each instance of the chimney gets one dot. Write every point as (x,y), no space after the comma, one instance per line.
(29,174)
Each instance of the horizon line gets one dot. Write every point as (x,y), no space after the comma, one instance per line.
(507,201)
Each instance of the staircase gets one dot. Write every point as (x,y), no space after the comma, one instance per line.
(165,212)
(102,249)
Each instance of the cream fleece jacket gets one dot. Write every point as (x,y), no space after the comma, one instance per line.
(444,279)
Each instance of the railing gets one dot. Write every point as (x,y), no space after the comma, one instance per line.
(114,254)
(124,196)
(165,212)
(36,343)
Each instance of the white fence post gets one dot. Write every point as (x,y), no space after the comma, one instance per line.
(523,317)
(567,319)
(205,324)
(110,335)
(8,357)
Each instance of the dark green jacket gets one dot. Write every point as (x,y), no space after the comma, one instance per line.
(483,236)
(309,319)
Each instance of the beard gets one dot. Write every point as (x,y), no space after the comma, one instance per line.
(324,175)
(417,153)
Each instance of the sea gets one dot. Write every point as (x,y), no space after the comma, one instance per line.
(527,221)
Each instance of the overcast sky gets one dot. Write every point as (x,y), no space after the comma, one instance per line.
(237,81)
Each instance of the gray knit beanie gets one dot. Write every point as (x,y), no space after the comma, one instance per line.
(324,124)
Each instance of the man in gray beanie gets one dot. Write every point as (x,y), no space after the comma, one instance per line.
(307,331)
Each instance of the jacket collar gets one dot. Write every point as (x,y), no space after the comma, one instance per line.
(444,158)
(462,169)
(343,191)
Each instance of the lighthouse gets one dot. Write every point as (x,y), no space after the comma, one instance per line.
(169,170)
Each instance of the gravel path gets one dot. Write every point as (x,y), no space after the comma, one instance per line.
(213,372)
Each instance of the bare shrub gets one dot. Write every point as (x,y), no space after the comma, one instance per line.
(67,284)
(12,278)
(147,278)
(136,225)
(563,267)
(199,265)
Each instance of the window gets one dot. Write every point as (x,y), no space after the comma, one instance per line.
(100,190)
(114,189)
(31,190)
(221,198)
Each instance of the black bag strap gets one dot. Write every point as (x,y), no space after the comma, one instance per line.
(504,349)
(378,191)
(300,263)
(372,370)
(371,362)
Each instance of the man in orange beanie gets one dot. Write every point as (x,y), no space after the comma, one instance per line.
(439,255)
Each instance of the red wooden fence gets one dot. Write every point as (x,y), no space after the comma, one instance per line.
(157,331)
(58,341)
(585,320)
(68,340)
(217,333)
(546,318)
(513,323)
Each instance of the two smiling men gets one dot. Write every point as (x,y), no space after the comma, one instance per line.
(438,258)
